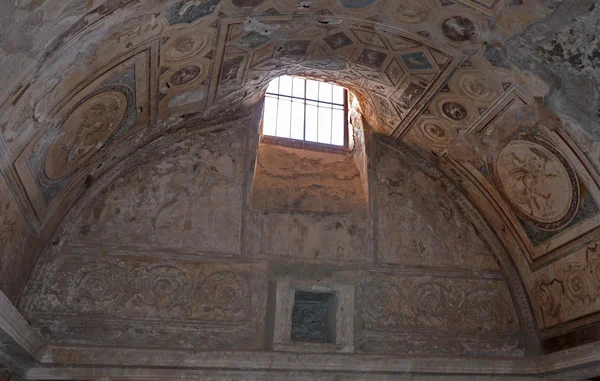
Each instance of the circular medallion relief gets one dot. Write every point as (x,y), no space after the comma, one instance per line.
(185,75)
(458,28)
(412,10)
(454,111)
(84,132)
(437,136)
(475,87)
(185,46)
(538,182)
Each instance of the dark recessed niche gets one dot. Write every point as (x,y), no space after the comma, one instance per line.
(313,317)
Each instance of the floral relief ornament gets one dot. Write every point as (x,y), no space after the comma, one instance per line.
(412,10)
(385,307)
(574,290)
(165,288)
(380,301)
(223,296)
(99,285)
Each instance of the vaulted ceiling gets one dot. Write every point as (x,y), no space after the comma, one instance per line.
(499,95)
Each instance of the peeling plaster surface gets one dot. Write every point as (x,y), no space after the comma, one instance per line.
(288,178)
(165,240)
(564,50)
(132,167)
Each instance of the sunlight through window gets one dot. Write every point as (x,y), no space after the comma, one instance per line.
(303,110)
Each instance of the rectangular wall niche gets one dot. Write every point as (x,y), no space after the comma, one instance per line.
(309,317)
(313,317)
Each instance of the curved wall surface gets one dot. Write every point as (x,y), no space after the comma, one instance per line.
(92,87)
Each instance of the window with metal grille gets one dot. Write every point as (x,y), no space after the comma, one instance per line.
(306,113)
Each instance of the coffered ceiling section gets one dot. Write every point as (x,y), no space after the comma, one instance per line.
(396,72)
(407,60)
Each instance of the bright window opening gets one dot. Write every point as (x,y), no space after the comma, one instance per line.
(305,112)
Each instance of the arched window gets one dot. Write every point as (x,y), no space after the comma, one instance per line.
(305,113)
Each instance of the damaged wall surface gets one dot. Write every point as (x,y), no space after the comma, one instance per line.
(167,256)
(467,210)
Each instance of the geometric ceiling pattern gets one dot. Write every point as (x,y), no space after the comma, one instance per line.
(394,71)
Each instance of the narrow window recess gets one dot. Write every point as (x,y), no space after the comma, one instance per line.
(305,113)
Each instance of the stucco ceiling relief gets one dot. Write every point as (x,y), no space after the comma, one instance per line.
(387,64)
(542,186)
(548,187)
(186,57)
(111,105)
(488,7)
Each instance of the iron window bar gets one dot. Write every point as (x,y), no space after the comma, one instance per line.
(318,104)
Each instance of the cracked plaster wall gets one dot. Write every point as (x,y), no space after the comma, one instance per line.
(176,238)
(53,45)
(288,178)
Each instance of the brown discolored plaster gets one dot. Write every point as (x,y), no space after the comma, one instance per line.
(563,50)
(303,180)
(122,273)
(439,75)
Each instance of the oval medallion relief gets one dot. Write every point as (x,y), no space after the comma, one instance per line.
(185,75)
(458,28)
(454,111)
(538,182)
(186,46)
(84,132)
(437,136)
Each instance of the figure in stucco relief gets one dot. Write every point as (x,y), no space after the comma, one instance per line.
(458,28)
(537,183)
(84,132)
(526,179)
(454,111)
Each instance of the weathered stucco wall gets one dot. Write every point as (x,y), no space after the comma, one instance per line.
(171,254)
(86,83)
(418,223)
(18,246)
(298,179)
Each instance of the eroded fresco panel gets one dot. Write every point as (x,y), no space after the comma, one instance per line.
(149,302)
(188,197)
(418,223)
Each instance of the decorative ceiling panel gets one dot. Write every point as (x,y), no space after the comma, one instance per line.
(540,182)
(387,63)
(103,110)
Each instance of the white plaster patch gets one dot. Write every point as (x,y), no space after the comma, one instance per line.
(187,98)
(253,25)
